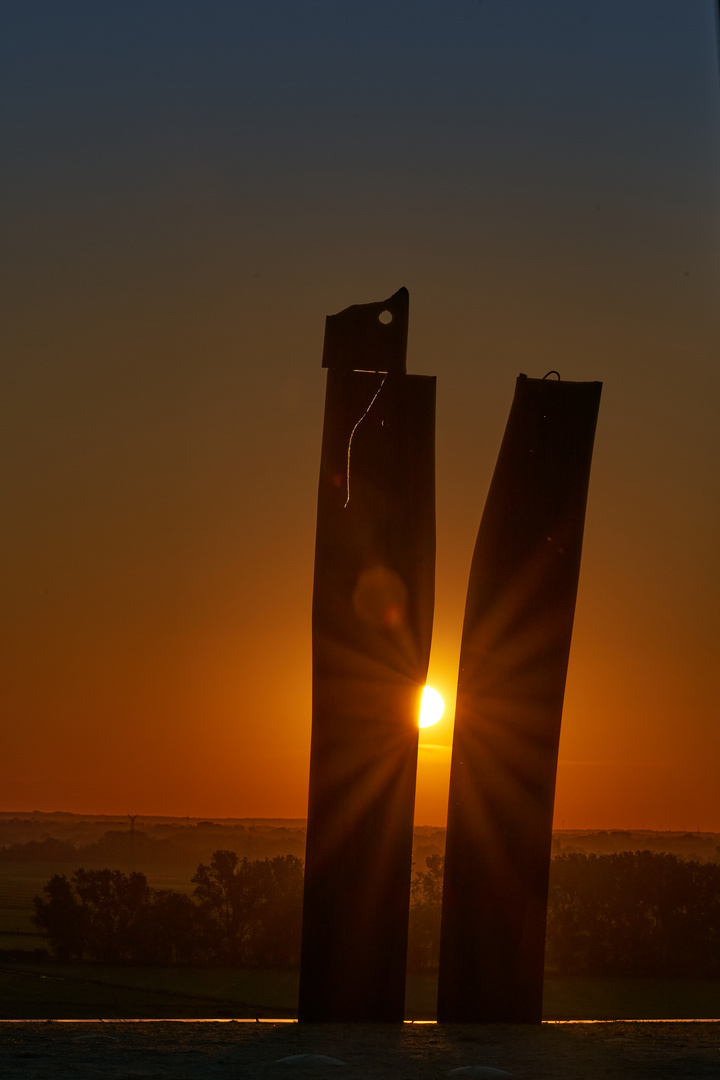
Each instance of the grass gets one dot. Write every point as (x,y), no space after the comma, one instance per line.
(33,990)
(585,998)
(85,991)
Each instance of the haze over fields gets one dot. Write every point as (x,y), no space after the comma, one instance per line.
(166,841)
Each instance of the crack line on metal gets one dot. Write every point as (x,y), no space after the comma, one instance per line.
(352,433)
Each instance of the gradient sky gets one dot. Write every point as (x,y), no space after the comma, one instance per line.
(188,188)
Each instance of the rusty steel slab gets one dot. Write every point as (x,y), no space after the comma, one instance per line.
(371,627)
(513,666)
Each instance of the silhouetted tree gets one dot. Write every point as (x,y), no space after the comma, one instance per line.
(218,891)
(425,910)
(47,850)
(634,913)
(114,917)
(169,930)
(278,926)
(252,910)
(245,913)
(60,916)
(114,903)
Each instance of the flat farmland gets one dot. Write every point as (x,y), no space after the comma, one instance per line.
(37,990)
(79,991)
(33,988)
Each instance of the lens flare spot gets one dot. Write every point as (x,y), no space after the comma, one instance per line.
(432,707)
(380,598)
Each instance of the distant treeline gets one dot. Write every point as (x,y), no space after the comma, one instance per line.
(241,913)
(636,913)
(182,846)
(179,846)
(629,914)
(182,843)
(175,845)
(688,845)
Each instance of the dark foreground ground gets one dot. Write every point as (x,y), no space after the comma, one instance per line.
(172,1050)
(44,991)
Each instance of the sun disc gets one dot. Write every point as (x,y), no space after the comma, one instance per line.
(432,707)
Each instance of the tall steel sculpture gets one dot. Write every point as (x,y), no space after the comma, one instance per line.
(371,628)
(513,666)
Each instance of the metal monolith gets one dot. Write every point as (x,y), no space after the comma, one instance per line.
(513,666)
(371,627)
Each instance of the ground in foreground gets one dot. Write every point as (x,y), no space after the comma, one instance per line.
(204,1051)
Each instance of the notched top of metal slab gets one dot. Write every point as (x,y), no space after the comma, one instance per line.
(369,337)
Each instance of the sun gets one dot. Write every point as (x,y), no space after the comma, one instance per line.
(432,707)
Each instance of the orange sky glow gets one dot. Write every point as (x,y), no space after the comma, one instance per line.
(183,211)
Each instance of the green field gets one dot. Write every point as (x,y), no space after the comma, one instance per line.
(94,991)
(585,998)
(83,991)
